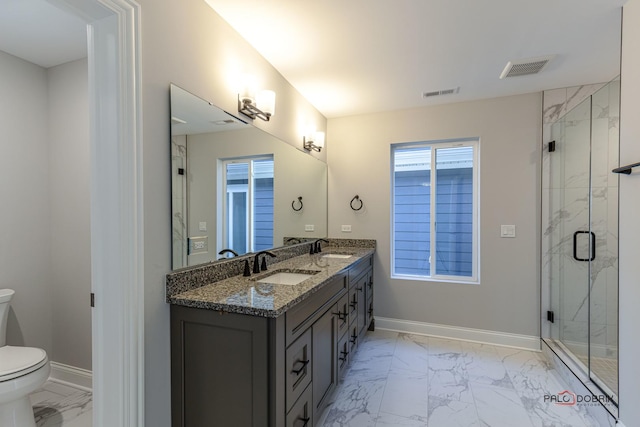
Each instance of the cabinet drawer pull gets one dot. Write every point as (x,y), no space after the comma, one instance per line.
(340,315)
(344,355)
(304,365)
(305,421)
(353,339)
(370,311)
(353,304)
(359,288)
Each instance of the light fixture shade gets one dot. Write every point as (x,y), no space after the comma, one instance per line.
(248,87)
(266,101)
(318,140)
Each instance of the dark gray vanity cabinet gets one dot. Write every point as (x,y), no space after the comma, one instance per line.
(222,369)
(240,370)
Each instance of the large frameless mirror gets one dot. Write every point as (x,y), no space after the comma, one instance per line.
(235,188)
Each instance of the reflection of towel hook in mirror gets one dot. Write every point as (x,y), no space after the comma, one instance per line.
(293,204)
(356,197)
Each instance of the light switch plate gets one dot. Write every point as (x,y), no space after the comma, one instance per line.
(507,231)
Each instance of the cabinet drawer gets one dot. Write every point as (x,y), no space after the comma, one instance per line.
(302,412)
(353,335)
(298,367)
(301,316)
(353,305)
(357,269)
(343,355)
(343,315)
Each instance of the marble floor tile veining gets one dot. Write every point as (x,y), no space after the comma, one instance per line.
(398,379)
(59,405)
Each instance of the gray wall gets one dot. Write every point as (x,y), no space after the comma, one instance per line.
(629,292)
(44,183)
(507,299)
(69,198)
(203,56)
(25,241)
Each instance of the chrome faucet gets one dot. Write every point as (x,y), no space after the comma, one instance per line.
(256,261)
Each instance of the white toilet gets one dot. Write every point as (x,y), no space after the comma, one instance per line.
(22,371)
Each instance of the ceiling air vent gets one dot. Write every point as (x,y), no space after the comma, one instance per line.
(525,67)
(441,92)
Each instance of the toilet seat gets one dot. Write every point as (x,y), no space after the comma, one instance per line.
(18,361)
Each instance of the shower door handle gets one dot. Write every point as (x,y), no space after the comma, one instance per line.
(593,246)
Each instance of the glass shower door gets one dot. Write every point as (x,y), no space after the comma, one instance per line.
(603,305)
(570,233)
(581,236)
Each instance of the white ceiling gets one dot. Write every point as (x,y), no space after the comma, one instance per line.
(362,56)
(39,32)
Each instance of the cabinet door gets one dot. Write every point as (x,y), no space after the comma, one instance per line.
(343,355)
(301,414)
(298,367)
(362,302)
(358,301)
(325,360)
(343,315)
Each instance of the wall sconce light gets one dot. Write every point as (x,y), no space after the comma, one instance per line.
(313,141)
(254,103)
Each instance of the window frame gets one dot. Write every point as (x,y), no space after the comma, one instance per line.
(238,188)
(434,146)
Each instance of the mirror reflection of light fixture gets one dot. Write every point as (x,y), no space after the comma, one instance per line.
(313,141)
(253,103)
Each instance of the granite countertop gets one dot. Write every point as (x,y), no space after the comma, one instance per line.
(245,295)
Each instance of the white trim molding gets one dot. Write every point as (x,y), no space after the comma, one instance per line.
(70,375)
(505,339)
(117,221)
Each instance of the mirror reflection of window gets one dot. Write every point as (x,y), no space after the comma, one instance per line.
(248,198)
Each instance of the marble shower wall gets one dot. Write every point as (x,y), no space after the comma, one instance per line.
(179,199)
(571,119)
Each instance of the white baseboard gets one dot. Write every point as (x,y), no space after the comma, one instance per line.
(72,376)
(504,339)
(619,424)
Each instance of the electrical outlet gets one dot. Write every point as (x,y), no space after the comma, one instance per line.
(202,226)
(198,245)
(507,231)
(309,227)
(346,228)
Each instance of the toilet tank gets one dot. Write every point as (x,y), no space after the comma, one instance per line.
(5,302)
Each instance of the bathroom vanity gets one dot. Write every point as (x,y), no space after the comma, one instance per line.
(269,349)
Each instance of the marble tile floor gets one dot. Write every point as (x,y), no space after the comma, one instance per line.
(408,380)
(59,405)
(399,379)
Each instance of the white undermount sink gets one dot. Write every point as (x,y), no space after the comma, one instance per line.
(341,256)
(285,278)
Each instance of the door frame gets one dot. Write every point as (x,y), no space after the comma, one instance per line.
(117,221)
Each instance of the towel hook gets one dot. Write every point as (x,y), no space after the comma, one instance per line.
(356,197)
(294,203)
